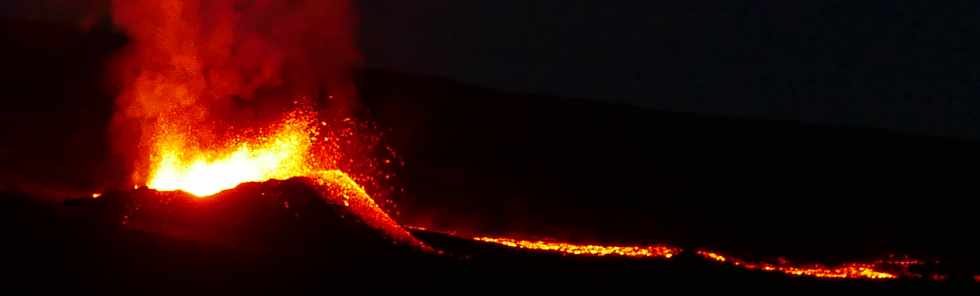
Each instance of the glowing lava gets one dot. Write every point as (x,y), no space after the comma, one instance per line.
(180,165)
(657,251)
(202,82)
(339,188)
(844,271)
(887,269)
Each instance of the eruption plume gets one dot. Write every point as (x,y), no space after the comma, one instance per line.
(201,70)
(221,92)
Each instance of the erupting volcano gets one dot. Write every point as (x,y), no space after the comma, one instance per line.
(231,100)
(212,97)
(220,93)
(266,145)
(209,93)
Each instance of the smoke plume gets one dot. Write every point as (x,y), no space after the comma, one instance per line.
(213,63)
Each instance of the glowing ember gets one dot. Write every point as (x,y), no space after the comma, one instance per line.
(845,271)
(179,165)
(96,195)
(592,250)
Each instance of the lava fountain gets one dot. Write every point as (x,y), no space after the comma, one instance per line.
(178,165)
(222,92)
(218,93)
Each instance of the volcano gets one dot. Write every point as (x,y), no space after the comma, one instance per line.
(254,169)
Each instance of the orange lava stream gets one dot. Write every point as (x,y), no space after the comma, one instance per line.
(339,188)
(657,251)
(845,271)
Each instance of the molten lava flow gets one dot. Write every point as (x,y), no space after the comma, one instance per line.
(179,165)
(341,189)
(658,251)
(844,271)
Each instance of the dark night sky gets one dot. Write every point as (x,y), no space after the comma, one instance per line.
(906,65)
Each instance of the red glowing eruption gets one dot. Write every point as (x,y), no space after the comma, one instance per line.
(200,80)
(221,92)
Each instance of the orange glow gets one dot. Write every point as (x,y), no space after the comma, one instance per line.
(844,271)
(193,68)
(179,165)
(96,195)
(339,188)
(712,256)
(202,82)
(660,251)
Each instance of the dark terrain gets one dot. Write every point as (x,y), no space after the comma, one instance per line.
(245,241)
(486,162)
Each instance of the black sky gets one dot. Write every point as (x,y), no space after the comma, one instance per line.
(907,65)
(904,65)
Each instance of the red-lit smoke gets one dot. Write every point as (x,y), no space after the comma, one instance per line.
(212,64)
